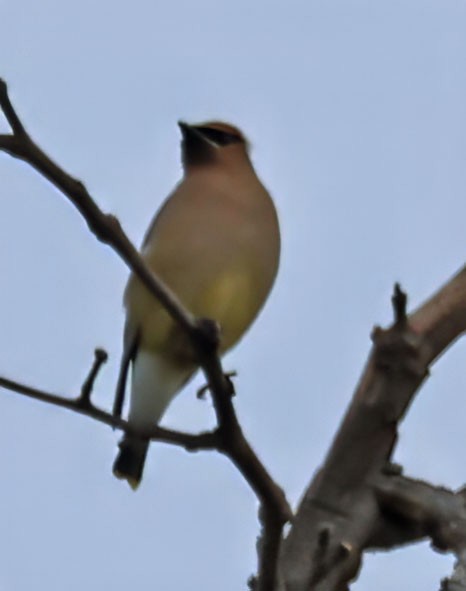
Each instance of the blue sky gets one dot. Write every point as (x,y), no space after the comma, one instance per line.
(355,110)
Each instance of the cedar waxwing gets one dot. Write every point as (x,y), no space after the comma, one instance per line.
(216,243)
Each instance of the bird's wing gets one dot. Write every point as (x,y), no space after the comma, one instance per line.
(130,347)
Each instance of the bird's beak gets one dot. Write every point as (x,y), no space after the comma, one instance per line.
(189,132)
(183,127)
(195,147)
(193,135)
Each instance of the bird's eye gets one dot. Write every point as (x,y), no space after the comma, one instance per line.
(219,137)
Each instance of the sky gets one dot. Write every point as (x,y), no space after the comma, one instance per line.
(355,111)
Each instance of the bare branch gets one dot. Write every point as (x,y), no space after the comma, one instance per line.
(105,227)
(341,498)
(268,549)
(100,357)
(204,333)
(442,319)
(190,442)
(457,581)
(435,512)
(9,112)
(399,302)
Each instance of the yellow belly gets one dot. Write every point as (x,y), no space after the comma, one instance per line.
(231,299)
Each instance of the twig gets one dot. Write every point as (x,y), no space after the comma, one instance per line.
(232,445)
(190,442)
(100,357)
(9,112)
(204,333)
(399,302)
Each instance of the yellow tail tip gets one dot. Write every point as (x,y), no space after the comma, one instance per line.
(134,484)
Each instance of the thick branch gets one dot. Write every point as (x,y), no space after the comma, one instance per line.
(340,499)
(435,512)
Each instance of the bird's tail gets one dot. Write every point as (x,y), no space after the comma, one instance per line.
(155,381)
(129,463)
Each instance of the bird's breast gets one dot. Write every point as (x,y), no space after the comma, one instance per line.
(217,252)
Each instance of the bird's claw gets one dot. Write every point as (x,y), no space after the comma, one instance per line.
(201,393)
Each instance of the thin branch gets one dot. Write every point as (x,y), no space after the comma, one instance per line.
(9,112)
(204,333)
(399,302)
(190,442)
(104,226)
(100,357)
(243,457)
(268,549)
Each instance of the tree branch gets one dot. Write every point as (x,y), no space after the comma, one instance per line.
(203,333)
(268,547)
(82,404)
(436,512)
(340,499)
(9,112)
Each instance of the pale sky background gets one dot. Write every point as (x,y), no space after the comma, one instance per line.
(356,113)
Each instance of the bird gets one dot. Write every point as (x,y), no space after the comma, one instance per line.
(215,242)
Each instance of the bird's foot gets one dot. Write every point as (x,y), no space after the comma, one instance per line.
(201,393)
(208,334)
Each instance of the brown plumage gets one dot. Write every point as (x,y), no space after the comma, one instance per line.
(216,243)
